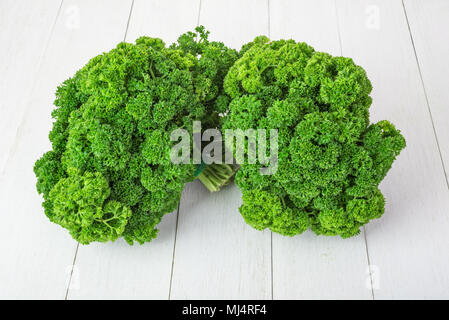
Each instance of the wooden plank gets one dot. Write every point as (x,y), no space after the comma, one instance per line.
(429,22)
(217,255)
(119,271)
(234,22)
(407,245)
(24,33)
(37,255)
(166,19)
(313,22)
(116,270)
(307,266)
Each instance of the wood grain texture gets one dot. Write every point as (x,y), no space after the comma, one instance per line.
(37,255)
(166,19)
(217,255)
(407,245)
(116,270)
(429,22)
(119,271)
(309,266)
(24,34)
(235,22)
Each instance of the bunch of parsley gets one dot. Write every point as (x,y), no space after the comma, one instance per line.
(109,172)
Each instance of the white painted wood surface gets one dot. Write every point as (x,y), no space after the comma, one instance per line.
(407,246)
(37,256)
(217,255)
(24,34)
(144,271)
(208,251)
(429,26)
(27,242)
(339,266)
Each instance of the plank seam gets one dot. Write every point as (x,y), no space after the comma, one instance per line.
(269,20)
(199,13)
(179,204)
(338,27)
(129,19)
(76,251)
(271,232)
(174,250)
(22,119)
(369,263)
(272,273)
(425,93)
(364,229)
(71,272)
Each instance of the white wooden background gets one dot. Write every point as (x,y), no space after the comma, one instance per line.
(205,250)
